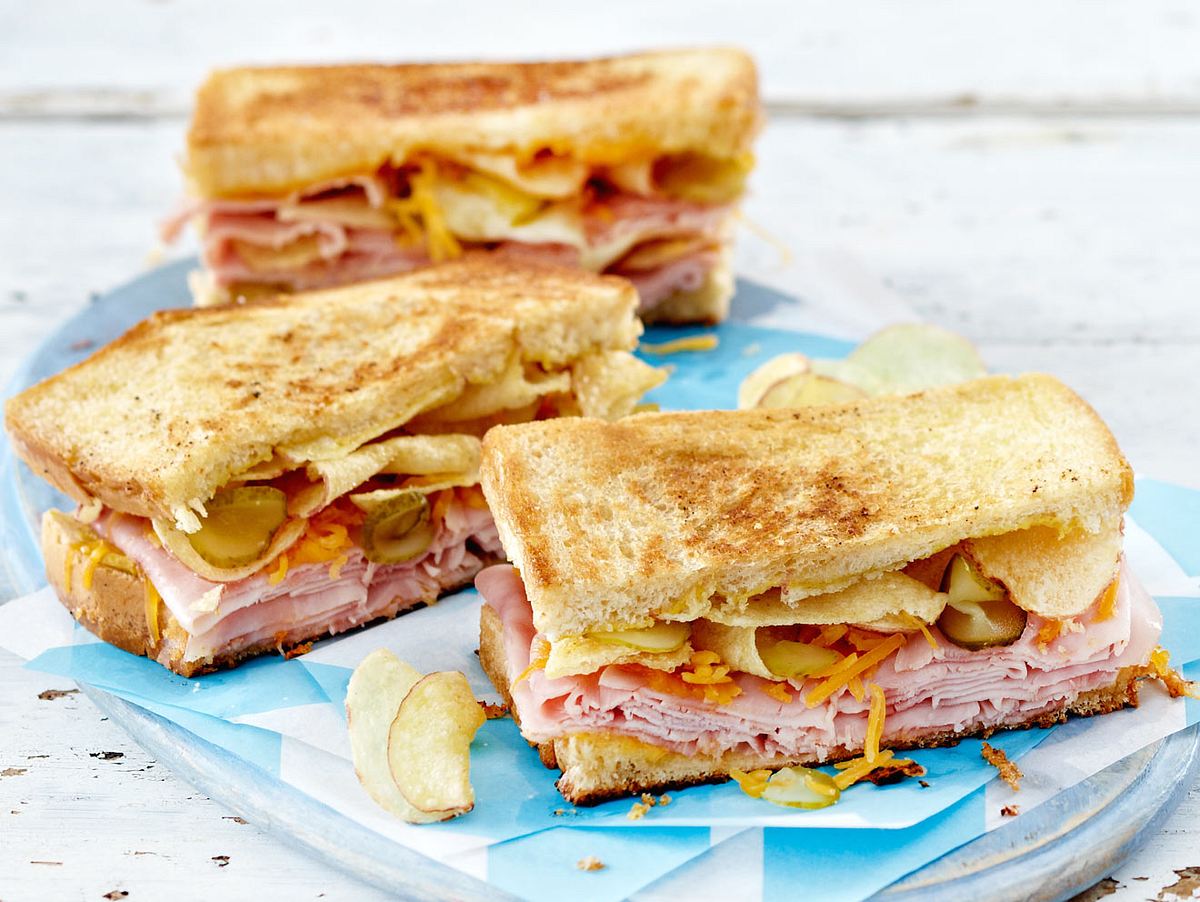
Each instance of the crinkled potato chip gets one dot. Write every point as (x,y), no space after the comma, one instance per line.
(429,745)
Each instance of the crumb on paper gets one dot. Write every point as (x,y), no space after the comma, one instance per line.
(494,712)
(706,342)
(638,811)
(590,863)
(895,772)
(1010,810)
(664,800)
(560,812)
(116,894)
(1009,772)
(924,784)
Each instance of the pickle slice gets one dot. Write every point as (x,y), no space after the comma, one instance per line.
(979,613)
(397,528)
(789,659)
(240,525)
(661,637)
(801,787)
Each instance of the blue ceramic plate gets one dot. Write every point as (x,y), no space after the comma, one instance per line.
(1050,853)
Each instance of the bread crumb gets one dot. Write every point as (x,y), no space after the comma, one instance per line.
(1010,810)
(589,863)
(638,811)
(664,800)
(494,712)
(1009,772)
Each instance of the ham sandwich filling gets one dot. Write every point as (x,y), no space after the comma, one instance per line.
(932,687)
(296,597)
(367,227)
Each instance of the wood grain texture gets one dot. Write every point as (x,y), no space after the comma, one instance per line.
(932,151)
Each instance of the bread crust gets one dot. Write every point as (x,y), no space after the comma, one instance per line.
(685,507)
(262,131)
(160,419)
(597,768)
(114,607)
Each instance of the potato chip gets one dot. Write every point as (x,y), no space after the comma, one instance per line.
(609,384)
(1054,576)
(429,745)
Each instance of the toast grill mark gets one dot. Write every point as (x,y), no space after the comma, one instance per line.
(423,92)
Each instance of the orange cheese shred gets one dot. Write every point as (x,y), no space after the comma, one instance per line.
(848,669)
(875,723)
(856,688)
(857,768)
(537,662)
(152,601)
(830,634)
(779,692)
(1108,603)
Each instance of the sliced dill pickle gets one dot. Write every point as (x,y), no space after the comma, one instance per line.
(979,614)
(789,659)
(801,787)
(661,637)
(397,529)
(239,525)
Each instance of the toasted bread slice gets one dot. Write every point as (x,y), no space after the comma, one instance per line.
(656,516)
(160,419)
(270,130)
(109,597)
(599,767)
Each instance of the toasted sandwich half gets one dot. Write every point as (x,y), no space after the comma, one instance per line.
(306,177)
(697,593)
(253,478)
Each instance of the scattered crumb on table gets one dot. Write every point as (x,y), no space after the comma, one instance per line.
(589,863)
(1010,810)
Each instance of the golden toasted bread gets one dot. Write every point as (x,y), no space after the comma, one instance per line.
(597,767)
(160,419)
(661,516)
(271,130)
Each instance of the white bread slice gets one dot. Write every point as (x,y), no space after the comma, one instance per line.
(616,524)
(156,422)
(270,130)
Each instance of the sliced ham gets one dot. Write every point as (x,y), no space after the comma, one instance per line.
(348,254)
(929,691)
(221,618)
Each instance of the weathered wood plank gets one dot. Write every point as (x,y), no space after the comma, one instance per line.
(146,57)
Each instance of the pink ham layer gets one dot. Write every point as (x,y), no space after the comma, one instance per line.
(928,691)
(308,599)
(355,254)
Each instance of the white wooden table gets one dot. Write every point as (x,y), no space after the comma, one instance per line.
(1026,173)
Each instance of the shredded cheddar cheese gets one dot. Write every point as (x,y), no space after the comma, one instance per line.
(152,600)
(717,686)
(830,634)
(779,692)
(420,217)
(857,768)
(875,723)
(856,688)
(1049,631)
(706,342)
(849,669)
(1172,680)
(1108,603)
(537,661)
(95,554)
(275,577)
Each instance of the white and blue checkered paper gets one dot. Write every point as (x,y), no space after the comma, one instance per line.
(286,718)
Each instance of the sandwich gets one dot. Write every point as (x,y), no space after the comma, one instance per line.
(704,594)
(307,177)
(252,478)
